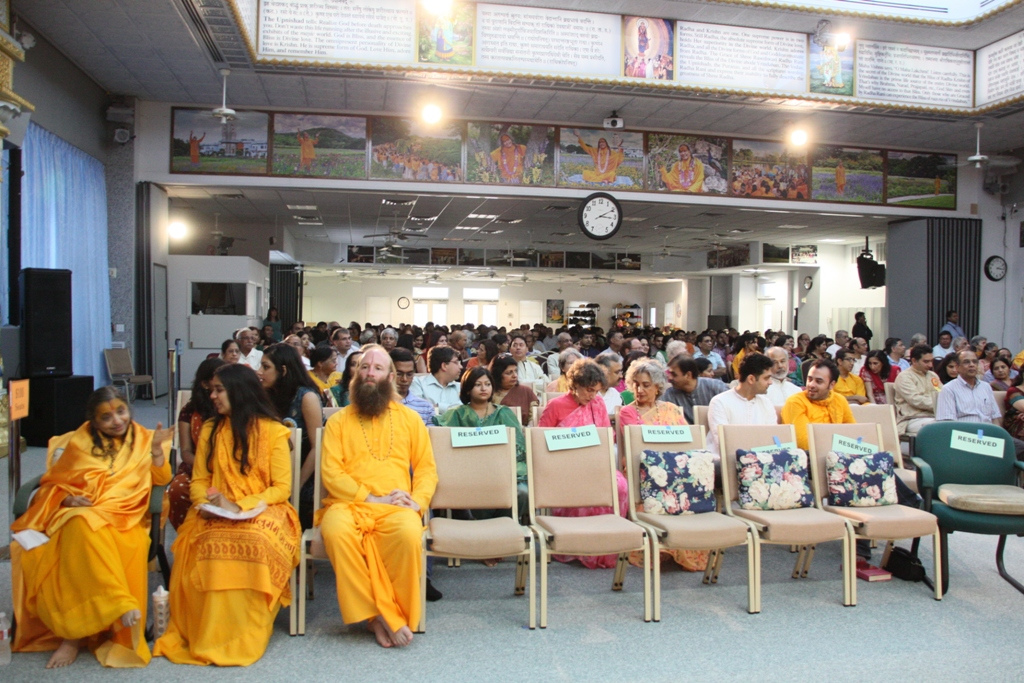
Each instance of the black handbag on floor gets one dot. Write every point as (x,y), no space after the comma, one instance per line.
(904,565)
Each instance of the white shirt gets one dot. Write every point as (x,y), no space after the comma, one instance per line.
(832,350)
(531,373)
(713,358)
(253,359)
(729,408)
(938,352)
(612,399)
(444,397)
(778,391)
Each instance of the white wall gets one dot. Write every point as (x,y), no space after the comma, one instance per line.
(697,304)
(840,288)
(327,299)
(675,293)
(182,271)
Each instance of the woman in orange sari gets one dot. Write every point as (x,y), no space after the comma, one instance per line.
(646,379)
(79,566)
(230,578)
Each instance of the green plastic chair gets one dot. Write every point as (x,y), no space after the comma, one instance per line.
(939,464)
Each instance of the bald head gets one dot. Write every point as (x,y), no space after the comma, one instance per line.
(780,362)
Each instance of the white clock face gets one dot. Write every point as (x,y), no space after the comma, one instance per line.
(600,217)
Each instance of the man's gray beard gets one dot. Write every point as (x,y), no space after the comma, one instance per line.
(780,378)
(371,400)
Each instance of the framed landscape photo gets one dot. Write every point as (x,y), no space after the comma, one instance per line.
(317,146)
(201,143)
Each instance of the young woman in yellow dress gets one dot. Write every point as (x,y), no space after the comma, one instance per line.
(86,584)
(230,578)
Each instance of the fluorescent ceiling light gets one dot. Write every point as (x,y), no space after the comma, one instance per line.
(791,226)
(766,210)
(311,223)
(842,215)
(488,216)
(301,207)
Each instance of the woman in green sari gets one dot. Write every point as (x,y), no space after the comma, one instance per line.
(477,410)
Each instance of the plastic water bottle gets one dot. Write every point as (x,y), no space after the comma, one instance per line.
(5,639)
(161,611)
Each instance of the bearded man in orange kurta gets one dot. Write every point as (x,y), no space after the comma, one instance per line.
(379,473)
(85,584)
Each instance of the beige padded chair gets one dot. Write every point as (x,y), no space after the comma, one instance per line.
(122,371)
(700,417)
(183,396)
(312,546)
(712,531)
(328,412)
(879,523)
(592,471)
(802,527)
(293,581)
(885,417)
(549,395)
(478,478)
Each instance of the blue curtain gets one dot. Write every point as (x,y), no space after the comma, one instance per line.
(64,225)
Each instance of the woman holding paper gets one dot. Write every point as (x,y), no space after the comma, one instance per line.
(646,379)
(477,410)
(581,407)
(223,603)
(85,585)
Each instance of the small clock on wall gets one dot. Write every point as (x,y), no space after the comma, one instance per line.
(995,268)
(600,216)
(808,283)
(403,302)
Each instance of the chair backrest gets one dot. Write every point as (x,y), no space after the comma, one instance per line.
(535,412)
(884,415)
(890,393)
(1000,401)
(951,465)
(819,438)
(119,362)
(549,395)
(328,412)
(700,416)
(182,397)
(296,445)
(318,445)
(474,477)
(734,437)
(579,477)
(633,447)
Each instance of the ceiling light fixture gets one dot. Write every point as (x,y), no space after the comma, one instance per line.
(798,137)
(431,113)
(301,207)
(224,112)
(842,215)
(177,230)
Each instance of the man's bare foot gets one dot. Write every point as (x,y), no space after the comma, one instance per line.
(401,637)
(130,618)
(380,631)
(64,655)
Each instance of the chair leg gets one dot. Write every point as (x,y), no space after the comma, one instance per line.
(165,566)
(543,584)
(1002,569)
(152,392)
(293,609)
(647,578)
(656,572)
(710,568)
(808,557)
(312,575)
(718,565)
(944,542)
(301,595)
(520,574)
(937,559)
(422,626)
(533,586)
(620,571)
(800,550)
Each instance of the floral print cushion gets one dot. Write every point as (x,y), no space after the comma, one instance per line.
(677,483)
(773,480)
(861,480)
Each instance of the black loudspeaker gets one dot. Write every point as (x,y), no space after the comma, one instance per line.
(871,272)
(55,405)
(45,322)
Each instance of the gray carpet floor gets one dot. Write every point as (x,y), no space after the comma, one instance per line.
(479,630)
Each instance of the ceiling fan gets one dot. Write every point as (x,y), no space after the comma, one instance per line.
(994,162)
(224,112)
(222,242)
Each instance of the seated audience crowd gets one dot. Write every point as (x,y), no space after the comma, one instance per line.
(229,500)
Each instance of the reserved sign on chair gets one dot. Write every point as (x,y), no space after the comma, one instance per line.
(978,443)
(572,437)
(844,444)
(666,433)
(466,437)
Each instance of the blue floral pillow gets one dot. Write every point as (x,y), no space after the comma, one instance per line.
(858,480)
(677,483)
(773,480)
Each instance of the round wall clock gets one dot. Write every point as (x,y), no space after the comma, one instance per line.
(995,268)
(808,282)
(403,302)
(600,216)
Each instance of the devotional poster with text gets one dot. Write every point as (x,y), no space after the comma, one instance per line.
(847,174)
(408,149)
(687,163)
(319,146)
(648,48)
(831,69)
(510,154)
(600,159)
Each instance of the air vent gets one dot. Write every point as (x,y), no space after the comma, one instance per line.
(202,32)
(557,207)
(712,214)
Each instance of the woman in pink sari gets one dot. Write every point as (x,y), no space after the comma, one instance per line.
(581,407)
(646,379)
